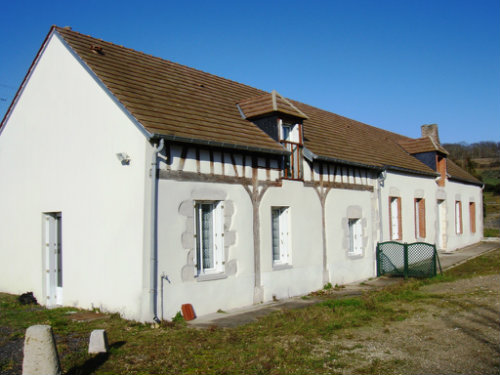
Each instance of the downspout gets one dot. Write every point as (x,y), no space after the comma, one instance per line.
(154,240)
(381,180)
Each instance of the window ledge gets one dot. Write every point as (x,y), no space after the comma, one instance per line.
(355,255)
(213,276)
(279,267)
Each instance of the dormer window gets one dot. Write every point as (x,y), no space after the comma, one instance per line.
(291,138)
(282,121)
(286,131)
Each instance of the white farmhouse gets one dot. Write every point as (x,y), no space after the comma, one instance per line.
(136,185)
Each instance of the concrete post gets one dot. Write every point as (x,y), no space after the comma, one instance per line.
(40,352)
(98,341)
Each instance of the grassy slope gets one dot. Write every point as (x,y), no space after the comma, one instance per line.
(283,342)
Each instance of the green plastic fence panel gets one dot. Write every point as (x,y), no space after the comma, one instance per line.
(418,259)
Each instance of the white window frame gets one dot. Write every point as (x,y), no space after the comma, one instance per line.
(355,237)
(458,217)
(216,239)
(280,236)
(396,221)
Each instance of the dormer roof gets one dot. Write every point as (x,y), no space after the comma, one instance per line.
(267,104)
(421,145)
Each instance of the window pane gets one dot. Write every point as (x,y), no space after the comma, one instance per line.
(276,233)
(286,132)
(206,236)
(395,229)
(351,235)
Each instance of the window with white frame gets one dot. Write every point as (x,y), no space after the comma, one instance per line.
(458,217)
(355,237)
(395,218)
(209,231)
(280,235)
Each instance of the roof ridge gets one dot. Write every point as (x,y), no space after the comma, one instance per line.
(273,98)
(291,105)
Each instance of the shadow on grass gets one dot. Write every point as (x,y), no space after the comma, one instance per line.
(92,364)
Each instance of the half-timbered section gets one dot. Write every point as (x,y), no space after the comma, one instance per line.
(177,186)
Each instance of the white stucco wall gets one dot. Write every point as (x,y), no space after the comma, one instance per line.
(58,154)
(343,267)
(409,187)
(306,244)
(465,194)
(211,295)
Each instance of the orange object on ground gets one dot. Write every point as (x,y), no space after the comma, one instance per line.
(188,312)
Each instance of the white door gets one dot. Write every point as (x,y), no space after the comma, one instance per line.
(53,258)
(442,235)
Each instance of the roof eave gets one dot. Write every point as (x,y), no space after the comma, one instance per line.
(463,180)
(311,156)
(226,145)
(410,171)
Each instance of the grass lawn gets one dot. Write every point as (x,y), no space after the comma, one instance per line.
(282,342)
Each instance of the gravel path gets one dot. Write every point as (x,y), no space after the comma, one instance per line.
(458,333)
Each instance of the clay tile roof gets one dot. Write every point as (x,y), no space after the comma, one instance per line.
(424,144)
(333,136)
(176,101)
(169,98)
(267,104)
(457,173)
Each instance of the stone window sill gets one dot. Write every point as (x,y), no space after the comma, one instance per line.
(279,267)
(355,255)
(213,276)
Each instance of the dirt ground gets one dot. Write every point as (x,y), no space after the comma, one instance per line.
(458,332)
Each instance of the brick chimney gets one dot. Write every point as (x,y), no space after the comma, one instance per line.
(431,130)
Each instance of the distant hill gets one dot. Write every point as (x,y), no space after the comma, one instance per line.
(477,150)
(481,159)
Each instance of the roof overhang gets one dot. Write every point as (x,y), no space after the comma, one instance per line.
(311,156)
(232,146)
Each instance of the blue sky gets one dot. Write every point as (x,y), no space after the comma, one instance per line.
(392,64)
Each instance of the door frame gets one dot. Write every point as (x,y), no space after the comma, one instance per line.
(442,230)
(52,260)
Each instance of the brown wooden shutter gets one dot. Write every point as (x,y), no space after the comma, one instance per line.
(472,215)
(421,216)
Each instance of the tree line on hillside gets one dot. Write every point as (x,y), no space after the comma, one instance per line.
(462,150)
(463,155)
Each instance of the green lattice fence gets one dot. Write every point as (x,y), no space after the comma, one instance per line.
(418,259)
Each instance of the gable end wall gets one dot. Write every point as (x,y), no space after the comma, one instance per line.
(58,154)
